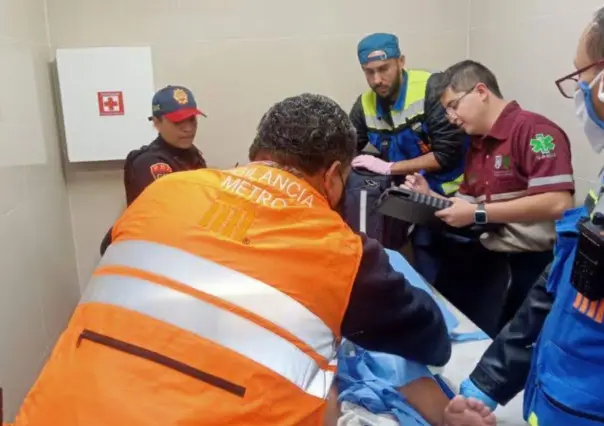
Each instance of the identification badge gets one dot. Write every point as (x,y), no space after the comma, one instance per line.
(160,169)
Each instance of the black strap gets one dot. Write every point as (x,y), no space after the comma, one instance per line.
(385,147)
(364,172)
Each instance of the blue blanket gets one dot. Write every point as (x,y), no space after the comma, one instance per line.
(400,264)
(370,379)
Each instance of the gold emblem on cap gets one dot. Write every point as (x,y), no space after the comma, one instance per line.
(180,96)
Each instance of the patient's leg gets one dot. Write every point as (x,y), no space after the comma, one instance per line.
(468,412)
(427,398)
(333,412)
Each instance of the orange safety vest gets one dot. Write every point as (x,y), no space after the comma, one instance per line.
(219,302)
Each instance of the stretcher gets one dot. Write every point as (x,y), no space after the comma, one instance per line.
(466,354)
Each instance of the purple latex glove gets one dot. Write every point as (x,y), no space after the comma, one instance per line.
(372,164)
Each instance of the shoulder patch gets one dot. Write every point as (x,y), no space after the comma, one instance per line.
(543,145)
(160,169)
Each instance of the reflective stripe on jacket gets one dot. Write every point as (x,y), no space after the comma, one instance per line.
(220,301)
(402,140)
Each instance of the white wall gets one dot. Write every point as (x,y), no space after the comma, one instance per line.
(38,279)
(239,57)
(529,44)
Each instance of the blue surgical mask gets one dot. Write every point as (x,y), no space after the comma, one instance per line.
(593,126)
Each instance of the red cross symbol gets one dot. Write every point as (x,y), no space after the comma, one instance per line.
(110,103)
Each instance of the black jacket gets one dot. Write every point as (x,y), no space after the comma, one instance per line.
(143,166)
(445,139)
(503,369)
(139,166)
(387,314)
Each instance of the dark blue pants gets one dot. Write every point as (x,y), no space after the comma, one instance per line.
(488,287)
(427,252)
(525,269)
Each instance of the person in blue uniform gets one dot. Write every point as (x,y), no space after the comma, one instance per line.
(554,347)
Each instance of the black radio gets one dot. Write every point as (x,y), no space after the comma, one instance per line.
(588,269)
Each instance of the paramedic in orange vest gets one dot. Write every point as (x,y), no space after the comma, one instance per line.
(224,294)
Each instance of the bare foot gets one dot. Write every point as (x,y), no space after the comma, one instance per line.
(468,412)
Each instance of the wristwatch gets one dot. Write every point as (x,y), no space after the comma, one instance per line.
(480,215)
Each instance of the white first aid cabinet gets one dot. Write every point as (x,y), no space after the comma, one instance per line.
(105,95)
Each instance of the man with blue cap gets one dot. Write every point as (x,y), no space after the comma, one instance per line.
(174,115)
(402,118)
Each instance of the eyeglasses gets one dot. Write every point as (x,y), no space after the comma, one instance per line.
(451,108)
(569,84)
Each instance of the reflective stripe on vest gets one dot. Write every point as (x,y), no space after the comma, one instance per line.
(594,202)
(450,188)
(590,201)
(213,323)
(594,195)
(413,103)
(399,118)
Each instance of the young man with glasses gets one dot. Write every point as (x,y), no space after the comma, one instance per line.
(518,174)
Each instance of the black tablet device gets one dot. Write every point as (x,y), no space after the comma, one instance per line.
(411,206)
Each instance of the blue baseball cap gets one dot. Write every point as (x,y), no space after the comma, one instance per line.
(176,103)
(378,47)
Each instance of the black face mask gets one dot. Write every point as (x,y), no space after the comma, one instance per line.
(342,203)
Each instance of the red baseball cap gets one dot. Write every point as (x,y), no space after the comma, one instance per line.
(176,103)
